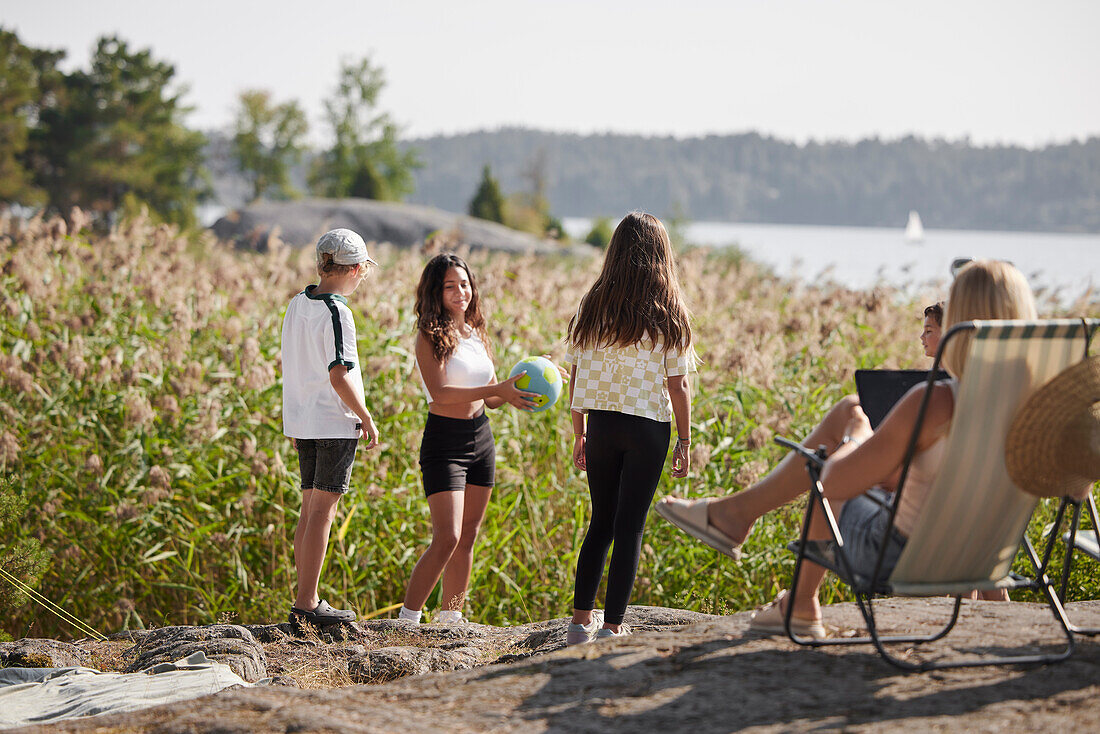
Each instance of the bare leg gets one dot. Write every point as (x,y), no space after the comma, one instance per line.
(446,509)
(300,531)
(456,574)
(311,543)
(581,616)
(806,603)
(735,514)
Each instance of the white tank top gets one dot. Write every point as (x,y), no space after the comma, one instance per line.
(469,366)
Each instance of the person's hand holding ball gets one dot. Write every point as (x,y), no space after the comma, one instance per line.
(542,377)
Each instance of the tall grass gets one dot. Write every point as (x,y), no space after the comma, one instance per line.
(140,409)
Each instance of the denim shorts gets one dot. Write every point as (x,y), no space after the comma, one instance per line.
(863,524)
(455,452)
(325,463)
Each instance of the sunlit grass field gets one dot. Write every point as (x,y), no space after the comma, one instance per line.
(140,405)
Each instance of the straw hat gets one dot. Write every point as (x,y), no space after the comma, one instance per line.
(1053,446)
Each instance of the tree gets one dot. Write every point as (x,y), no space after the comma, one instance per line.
(116,138)
(488,202)
(529,211)
(600,234)
(268,142)
(364,159)
(555,228)
(28,82)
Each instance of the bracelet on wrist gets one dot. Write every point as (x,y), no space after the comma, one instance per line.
(684,441)
(578,435)
(852,440)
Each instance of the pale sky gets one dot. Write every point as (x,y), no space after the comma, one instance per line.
(996,71)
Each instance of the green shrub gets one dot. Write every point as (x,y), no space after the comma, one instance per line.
(21,558)
(600,234)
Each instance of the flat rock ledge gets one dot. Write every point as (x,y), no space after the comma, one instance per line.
(679,671)
(369,652)
(300,222)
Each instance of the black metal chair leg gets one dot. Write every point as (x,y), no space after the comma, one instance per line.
(1067,564)
(1055,536)
(1056,609)
(864,602)
(1052,537)
(1071,549)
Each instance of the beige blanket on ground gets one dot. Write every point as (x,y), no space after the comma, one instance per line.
(44,695)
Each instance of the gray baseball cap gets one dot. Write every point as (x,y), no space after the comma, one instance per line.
(345,246)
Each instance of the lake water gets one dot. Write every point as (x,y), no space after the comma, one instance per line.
(1067,265)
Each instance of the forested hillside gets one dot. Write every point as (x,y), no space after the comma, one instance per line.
(752,178)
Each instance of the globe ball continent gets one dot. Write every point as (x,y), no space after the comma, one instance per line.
(541,377)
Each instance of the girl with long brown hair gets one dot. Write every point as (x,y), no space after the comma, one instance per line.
(631,352)
(457,452)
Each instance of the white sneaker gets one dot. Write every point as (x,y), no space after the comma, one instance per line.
(448,616)
(604,633)
(578,633)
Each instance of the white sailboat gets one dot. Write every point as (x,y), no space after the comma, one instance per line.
(914,230)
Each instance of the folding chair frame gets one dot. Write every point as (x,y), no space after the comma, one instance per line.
(1069,539)
(865,592)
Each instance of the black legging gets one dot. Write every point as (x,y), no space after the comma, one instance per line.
(624,455)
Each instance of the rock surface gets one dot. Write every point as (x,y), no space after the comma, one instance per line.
(300,222)
(37,653)
(230,644)
(390,663)
(706,676)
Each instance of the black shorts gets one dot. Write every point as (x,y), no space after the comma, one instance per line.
(455,452)
(325,463)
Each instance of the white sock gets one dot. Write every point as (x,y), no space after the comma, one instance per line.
(413,615)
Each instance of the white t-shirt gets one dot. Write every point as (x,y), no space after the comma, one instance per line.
(469,366)
(318,334)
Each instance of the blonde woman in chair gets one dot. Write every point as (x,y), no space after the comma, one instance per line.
(859,459)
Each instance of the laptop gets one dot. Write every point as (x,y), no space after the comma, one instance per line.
(879,390)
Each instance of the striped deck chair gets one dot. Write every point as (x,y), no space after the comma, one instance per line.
(974,519)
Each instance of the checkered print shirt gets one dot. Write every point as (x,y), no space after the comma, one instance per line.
(628,380)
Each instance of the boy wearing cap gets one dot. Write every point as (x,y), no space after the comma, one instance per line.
(323,410)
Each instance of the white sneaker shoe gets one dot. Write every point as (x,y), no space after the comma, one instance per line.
(448,616)
(578,633)
(604,633)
